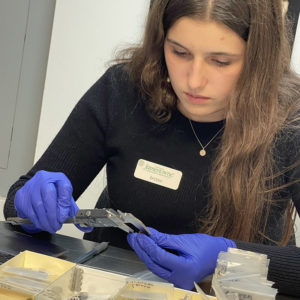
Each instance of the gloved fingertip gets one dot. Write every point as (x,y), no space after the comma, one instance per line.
(84,229)
(66,211)
(153,231)
(73,208)
(141,238)
(87,229)
(20,214)
(56,227)
(132,239)
(158,237)
(67,192)
(228,243)
(187,286)
(146,243)
(62,216)
(232,244)
(131,236)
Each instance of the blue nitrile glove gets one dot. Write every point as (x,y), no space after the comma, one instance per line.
(46,199)
(196,255)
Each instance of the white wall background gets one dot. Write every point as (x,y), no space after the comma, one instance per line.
(85,36)
(296,67)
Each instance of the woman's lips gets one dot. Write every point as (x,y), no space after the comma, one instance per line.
(196,98)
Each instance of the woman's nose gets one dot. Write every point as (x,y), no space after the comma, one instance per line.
(197,76)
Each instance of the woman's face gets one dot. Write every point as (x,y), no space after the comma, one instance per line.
(204,61)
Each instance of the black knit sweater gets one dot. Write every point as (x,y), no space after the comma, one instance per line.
(110,125)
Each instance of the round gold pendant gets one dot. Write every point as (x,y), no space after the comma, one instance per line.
(202,152)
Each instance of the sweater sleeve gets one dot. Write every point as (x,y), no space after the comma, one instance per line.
(284,268)
(78,150)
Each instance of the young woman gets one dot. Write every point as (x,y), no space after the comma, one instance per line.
(199,130)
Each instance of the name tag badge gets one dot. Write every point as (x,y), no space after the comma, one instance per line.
(158,174)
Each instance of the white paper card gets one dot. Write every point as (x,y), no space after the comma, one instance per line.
(158,174)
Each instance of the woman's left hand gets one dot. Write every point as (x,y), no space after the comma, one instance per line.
(195,258)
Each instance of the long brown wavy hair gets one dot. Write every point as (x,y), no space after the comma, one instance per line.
(244,178)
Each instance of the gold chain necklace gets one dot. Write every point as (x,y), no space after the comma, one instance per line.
(203,151)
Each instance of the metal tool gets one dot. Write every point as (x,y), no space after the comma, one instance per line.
(99,217)
(90,254)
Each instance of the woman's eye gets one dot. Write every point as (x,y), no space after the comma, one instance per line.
(180,53)
(221,63)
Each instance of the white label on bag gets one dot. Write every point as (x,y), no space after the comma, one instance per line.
(158,174)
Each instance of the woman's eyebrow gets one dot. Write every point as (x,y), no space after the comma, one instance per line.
(176,43)
(224,54)
(207,53)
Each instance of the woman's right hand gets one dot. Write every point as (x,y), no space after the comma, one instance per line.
(46,199)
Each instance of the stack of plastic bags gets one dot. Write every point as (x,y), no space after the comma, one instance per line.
(242,275)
